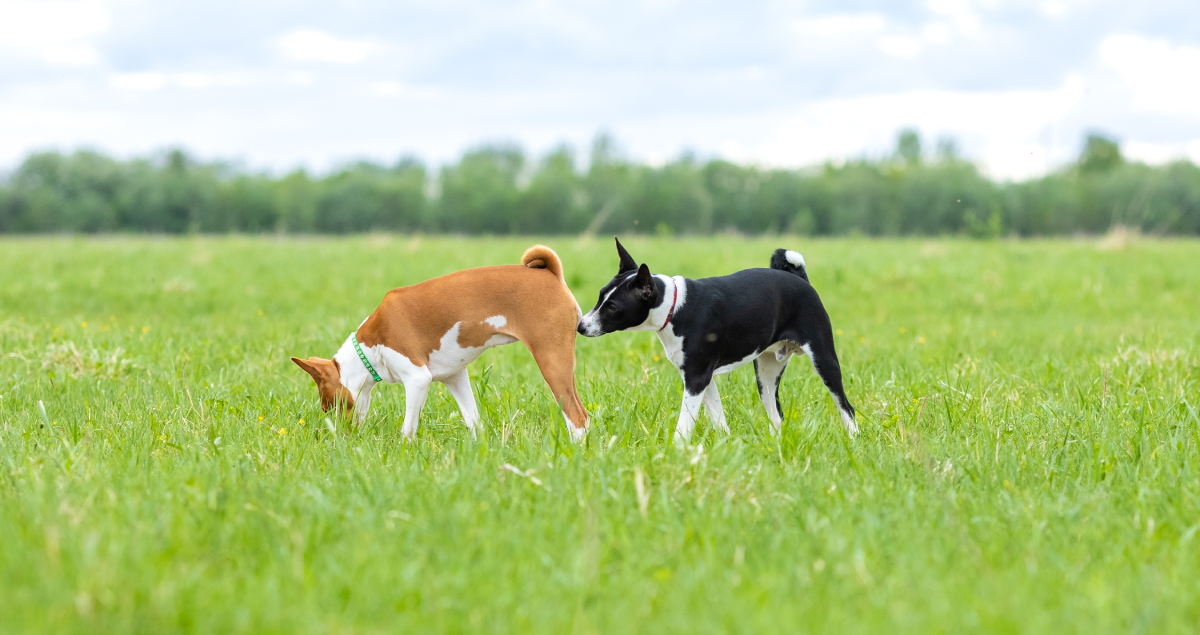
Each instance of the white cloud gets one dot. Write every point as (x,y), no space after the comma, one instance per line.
(820,35)
(785,88)
(1003,127)
(959,12)
(138,81)
(1053,9)
(308,45)
(299,78)
(70,56)
(839,25)
(936,32)
(392,88)
(39,24)
(899,46)
(55,32)
(1164,78)
(1155,153)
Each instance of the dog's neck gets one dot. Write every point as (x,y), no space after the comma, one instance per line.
(353,373)
(667,288)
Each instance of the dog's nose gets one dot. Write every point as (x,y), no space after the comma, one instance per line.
(580,329)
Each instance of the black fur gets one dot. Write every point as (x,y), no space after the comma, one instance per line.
(779,261)
(727,319)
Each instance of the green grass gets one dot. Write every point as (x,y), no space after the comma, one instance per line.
(1028,460)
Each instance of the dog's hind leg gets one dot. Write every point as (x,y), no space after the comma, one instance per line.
(416,388)
(459,385)
(825,362)
(768,370)
(712,405)
(557,363)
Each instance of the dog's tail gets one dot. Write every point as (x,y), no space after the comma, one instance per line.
(789,261)
(543,257)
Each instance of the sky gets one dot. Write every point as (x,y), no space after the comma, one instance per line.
(276,86)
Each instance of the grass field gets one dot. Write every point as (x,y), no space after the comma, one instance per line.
(1028,461)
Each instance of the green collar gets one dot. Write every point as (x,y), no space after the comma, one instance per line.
(363,357)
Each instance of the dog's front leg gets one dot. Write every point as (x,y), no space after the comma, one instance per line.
(712,405)
(415,391)
(694,387)
(459,386)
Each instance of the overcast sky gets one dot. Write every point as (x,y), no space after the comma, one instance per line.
(279,85)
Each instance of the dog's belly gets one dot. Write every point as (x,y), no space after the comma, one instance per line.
(450,357)
(777,348)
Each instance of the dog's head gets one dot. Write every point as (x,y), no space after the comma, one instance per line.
(328,376)
(624,302)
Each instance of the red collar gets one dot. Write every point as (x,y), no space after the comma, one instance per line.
(671,313)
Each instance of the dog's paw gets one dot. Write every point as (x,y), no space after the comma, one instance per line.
(577,434)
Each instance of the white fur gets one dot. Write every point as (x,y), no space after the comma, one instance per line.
(795,258)
(497,321)
(460,388)
(355,378)
(447,364)
(847,418)
(449,357)
(712,405)
(688,413)
(721,370)
(658,314)
(770,366)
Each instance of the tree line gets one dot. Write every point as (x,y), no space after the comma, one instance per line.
(497,189)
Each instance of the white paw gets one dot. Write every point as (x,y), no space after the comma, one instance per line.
(851,425)
(577,434)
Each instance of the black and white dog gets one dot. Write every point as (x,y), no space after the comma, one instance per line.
(711,326)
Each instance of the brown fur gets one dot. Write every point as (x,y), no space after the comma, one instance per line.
(534,299)
(327,375)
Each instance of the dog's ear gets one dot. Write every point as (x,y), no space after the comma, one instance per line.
(644,283)
(627,262)
(313,366)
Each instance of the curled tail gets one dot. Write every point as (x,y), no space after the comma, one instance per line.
(789,261)
(543,257)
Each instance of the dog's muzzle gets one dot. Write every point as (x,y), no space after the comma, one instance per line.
(588,328)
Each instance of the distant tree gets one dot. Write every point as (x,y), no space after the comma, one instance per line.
(495,190)
(908,146)
(1100,154)
(947,150)
(480,193)
(554,201)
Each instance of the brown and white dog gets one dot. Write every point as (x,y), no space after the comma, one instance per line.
(432,330)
